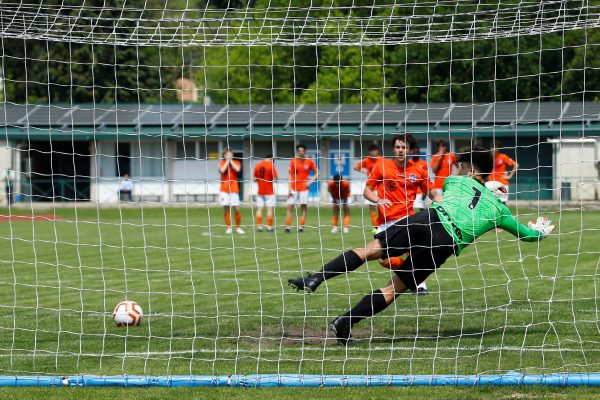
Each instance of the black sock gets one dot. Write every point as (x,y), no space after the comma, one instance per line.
(368,306)
(342,264)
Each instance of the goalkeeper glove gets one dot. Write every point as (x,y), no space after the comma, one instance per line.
(543,225)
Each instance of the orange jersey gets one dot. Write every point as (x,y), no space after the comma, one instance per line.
(398,185)
(299,171)
(229,178)
(339,190)
(421,164)
(367,163)
(444,170)
(501,163)
(264,173)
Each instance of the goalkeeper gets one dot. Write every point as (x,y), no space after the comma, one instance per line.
(431,236)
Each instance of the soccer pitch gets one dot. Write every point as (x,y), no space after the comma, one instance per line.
(219,304)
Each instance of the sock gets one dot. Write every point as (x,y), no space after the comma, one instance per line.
(395,262)
(288,220)
(228,219)
(374,218)
(259,220)
(238,218)
(346,220)
(302,221)
(270,221)
(342,264)
(368,306)
(334,221)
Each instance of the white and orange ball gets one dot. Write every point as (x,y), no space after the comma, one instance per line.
(128,313)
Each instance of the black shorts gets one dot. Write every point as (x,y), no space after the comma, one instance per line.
(424,237)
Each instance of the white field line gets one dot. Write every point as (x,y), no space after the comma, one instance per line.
(284,348)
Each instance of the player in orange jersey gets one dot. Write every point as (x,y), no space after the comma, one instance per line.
(419,201)
(365,166)
(230,190)
(442,164)
(501,164)
(265,174)
(300,181)
(339,188)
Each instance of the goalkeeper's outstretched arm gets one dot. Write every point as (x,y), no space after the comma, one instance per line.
(534,233)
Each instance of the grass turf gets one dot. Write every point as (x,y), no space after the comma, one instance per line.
(219,304)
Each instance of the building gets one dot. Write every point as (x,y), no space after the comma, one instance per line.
(171,151)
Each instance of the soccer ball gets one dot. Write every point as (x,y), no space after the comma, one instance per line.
(128,313)
(499,189)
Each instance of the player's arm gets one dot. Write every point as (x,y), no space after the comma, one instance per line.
(532,233)
(237,167)
(435,163)
(512,173)
(224,167)
(359,167)
(314,177)
(373,198)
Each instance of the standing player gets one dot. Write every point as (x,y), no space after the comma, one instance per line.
(395,181)
(265,174)
(441,165)
(230,190)
(432,236)
(339,188)
(365,166)
(416,159)
(299,172)
(501,164)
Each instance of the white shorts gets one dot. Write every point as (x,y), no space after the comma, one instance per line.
(386,225)
(419,201)
(298,198)
(342,202)
(369,202)
(263,200)
(229,199)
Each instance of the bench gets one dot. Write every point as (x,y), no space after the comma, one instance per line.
(197,192)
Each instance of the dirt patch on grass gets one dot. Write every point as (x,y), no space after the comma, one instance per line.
(22,218)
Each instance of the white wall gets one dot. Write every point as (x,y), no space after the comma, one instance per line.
(575,162)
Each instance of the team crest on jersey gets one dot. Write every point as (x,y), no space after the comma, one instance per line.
(412,177)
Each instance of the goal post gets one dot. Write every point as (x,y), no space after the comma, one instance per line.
(118,126)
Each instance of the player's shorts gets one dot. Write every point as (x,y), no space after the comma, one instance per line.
(369,202)
(263,200)
(423,235)
(419,201)
(229,199)
(298,198)
(342,202)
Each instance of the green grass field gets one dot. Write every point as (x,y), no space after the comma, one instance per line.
(217,304)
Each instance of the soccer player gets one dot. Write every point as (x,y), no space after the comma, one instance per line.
(339,188)
(419,202)
(441,165)
(392,185)
(501,164)
(265,174)
(365,166)
(432,236)
(300,181)
(230,190)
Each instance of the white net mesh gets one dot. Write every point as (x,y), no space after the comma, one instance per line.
(159,90)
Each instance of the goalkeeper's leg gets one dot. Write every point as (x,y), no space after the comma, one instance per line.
(342,264)
(371,304)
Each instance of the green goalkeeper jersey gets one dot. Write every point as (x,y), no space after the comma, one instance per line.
(470,209)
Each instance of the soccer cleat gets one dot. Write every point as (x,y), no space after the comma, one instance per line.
(270,230)
(300,229)
(346,230)
(308,283)
(420,291)
(335,229)
(259,229)
(288,229)
(341,327)
(239,231)
(228,230)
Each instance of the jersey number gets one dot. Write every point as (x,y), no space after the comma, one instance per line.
(261,173)
(476,198)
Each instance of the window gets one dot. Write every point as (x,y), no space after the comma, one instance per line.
(197,150)
(260,149)
(185,150)
(361,147)
(285,149)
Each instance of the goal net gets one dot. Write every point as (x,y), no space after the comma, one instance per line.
(118,123)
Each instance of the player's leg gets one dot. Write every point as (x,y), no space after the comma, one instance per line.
(269,218)
(259,215)
(368,306)
(335,211)
(302,221)
(238,219)
(288,216)
(346,216)
(342,264)
(227,216)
